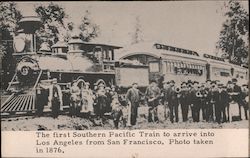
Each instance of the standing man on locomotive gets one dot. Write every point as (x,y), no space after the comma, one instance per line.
(184,101)
(55,98)
(153,93)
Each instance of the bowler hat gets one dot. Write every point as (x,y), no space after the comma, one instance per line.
(172,81)
(134,83)
(234,80)
(153,81)
(108,88)
(220,85)
(213,82)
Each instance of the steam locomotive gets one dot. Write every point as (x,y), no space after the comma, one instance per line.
(67,62)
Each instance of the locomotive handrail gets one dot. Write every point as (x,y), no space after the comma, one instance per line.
(11,81)
(40,73)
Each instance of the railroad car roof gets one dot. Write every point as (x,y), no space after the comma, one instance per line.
(148,48)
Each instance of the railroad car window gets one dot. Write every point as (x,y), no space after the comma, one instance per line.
(167,67)
(59,50)
(225,74)
(154,67)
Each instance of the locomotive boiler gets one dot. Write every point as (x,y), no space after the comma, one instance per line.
(67,62)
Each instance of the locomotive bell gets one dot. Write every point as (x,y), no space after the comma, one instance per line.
(45,47)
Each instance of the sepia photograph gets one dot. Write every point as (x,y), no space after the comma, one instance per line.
(124,65)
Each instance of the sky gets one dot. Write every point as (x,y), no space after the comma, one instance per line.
(193,25)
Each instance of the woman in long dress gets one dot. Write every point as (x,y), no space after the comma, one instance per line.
(87,100)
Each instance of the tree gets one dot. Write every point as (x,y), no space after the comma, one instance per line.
(88,29)
(9,18)
(234,36)
(52,17)
(137,35)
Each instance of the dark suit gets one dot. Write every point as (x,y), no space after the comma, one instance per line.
(210,106)
(41,100)
(165,92)
(238,98)
(224,102)
(196,106)
(133,96)
(173,105)
(203,101)
(184,104)
(218,101)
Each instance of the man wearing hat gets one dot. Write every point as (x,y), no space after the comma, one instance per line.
(204,95)
(42,93)
(211,96)
(225,103)
(245,99)
(165,94)
(195,102)
(173,102)
(237,95)
(229,88)
(74,99)
(101,103)
(109,99)
(153,93)
(55,98)
(208,104)
(133,99)
(219,97)
(184,101)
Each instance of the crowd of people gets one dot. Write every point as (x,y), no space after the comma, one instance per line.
(210,99)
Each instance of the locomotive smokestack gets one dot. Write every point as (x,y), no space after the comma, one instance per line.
(30,24)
